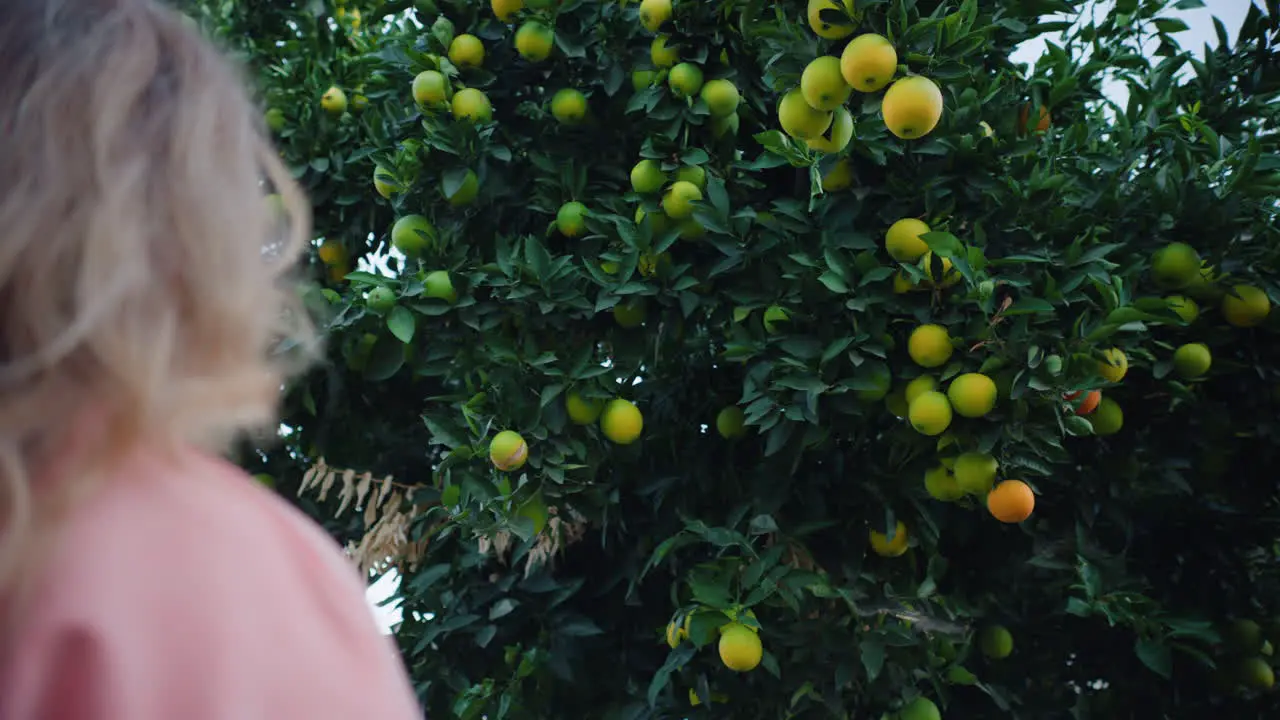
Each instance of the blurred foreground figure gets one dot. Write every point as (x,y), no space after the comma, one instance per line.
(143,290)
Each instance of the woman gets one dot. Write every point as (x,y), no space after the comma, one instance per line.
(142,292)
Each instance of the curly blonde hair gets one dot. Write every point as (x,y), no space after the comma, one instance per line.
(144,271)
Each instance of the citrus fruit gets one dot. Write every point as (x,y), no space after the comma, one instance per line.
(466,51)
(661,55)
(1245,306)
(987,130)
(1204,286)
(1087,405)
(929,346)
(641,79)
(996,642)
(695,174)
(896,403)
(675,635)
(508,451)
(942,485)
(380,300)
(569,106)
(919,386)
(571,219)
(1192,360)
(1185,307)
(730,422)
(930,413)
(653,13)
(799,120)
(1011,501)
(678,201)
(466,192)
(773,316)
(1042,124)
(836,137)
(912,107)
(721,97)
(685,80)
(868,62)
(438,285)
(822,84)
(472,104)
(629,315)
(621,421)
(1175,265)
(881,378)
(430,87)
(334,101)
(265,480)
(975,472)
(884,546)
(691,229)
(1114,365)
(903,241)
(920,709)
(722,126)
(535,511)
(972,395)
(534,41)
(1254,673)
(581,410)
(332,252)
(385,183)
(1242,637)
(1108,418)
(412,235)
(740,648)
(275,119)
(902,283)
(505,9)
(840,176)
(828,30)
(948,275)
(647,177)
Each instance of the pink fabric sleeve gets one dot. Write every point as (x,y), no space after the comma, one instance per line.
(182,590)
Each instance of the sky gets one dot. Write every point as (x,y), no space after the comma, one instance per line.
(1200,31)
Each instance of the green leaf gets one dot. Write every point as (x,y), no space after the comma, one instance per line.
(401,323)
(1155,655)
(872,654)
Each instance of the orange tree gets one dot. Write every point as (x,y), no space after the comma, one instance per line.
(768,360)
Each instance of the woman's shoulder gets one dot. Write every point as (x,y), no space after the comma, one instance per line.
(186,566)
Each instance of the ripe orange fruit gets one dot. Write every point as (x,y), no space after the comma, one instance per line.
(1088,404)
(1025,114)
(1011,501)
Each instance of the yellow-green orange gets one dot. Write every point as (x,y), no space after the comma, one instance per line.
(837,137)
(1245,306)
(653,13)
(930,413)
(1175,265)
(919,386)
(1114,365)
(464,193)
(799,120)
(884,546)
(571,219)
(972,395)
(721,97)
(534,41)
(385,183)
(975,472)
(830,31)
(569,106)
(945,276)
(921,708)
(730,422)
(1192,360)
(881,379)
(740,648)
(675,635)
(647,177)
(773,316)
(942,485)
(505,9)
(1108,418)
(840,176)
(1185,307)
(685,80)
(822,84)
(472,104)
(430,87)
(630,314)
(437,284)
(868,62)
(621,421)
(466,51)
(412,235)
(912,107)
(334,101)
(678,201)
(903,241)
(695,174)
(1255,674)
(929,346)
(661,55)
(996,642)
(508,451)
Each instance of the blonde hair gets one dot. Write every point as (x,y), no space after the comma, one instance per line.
(144,275)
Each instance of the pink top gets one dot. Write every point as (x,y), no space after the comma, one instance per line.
(183,590)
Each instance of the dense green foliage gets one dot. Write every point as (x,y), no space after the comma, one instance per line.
(1143,543)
